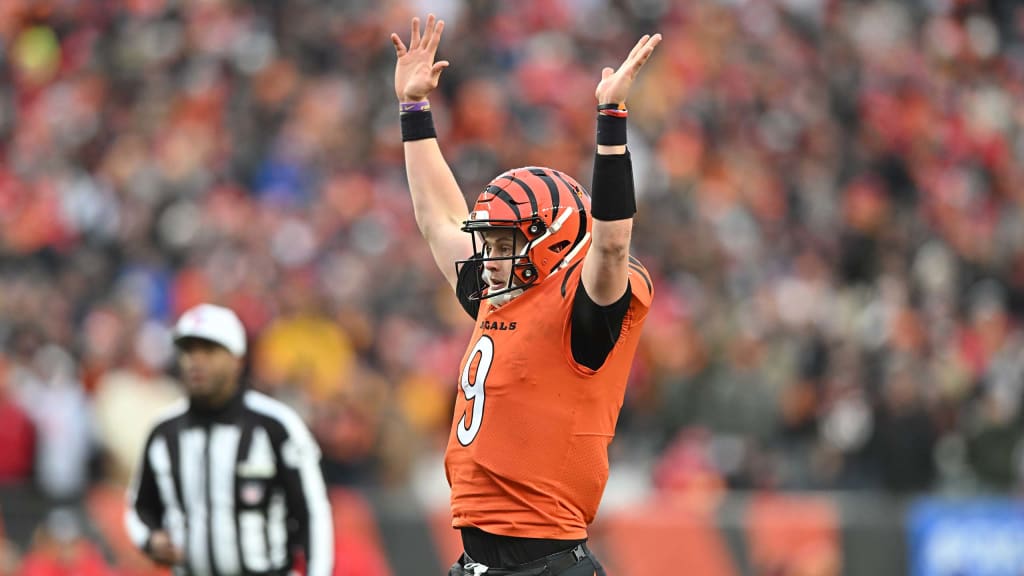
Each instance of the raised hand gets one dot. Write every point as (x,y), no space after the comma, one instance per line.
(615,84)
(416,73)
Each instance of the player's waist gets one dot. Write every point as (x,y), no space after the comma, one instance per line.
(506,551)
(509,517)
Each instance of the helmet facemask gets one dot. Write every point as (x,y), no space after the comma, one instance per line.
(522,273)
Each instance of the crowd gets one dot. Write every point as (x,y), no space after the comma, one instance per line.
(830,200)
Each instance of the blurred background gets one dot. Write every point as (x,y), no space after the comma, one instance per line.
(831,200)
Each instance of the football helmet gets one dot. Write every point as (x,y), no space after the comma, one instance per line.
(551,211)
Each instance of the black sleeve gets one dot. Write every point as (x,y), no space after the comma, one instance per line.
(145,512)
(468,284)
(612,194)
(595,329)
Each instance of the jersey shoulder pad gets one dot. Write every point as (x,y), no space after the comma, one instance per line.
(640,282)
(570,279)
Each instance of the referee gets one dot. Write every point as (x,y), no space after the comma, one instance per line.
(229,482)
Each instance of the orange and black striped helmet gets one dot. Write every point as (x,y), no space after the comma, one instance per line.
(549,208)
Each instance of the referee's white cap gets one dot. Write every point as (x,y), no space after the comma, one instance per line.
(214,323)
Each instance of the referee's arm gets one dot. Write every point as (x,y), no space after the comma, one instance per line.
(145,512)
(309,510)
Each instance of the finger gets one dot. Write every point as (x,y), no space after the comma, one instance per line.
(636,47)
(629,63)
(606,72)
(645,54)
(428,31)
(435,71)
(399,46)
(414,39)
(435,38)
(642,57)
(429,28)
(651,43)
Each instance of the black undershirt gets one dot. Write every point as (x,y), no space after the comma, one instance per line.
(595,330)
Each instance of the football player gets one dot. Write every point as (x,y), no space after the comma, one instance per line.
(544,269)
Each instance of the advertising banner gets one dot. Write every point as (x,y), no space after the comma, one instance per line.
(967,538)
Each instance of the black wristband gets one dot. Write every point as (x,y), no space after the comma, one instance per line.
(417,126)
(613,196)
(611,130)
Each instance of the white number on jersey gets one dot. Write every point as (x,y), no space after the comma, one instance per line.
(474,391)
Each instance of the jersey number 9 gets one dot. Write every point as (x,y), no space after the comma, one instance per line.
(469,425)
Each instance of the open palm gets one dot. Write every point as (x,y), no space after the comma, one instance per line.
(615,84)
(416,73)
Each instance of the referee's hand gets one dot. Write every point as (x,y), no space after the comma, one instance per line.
(163,551)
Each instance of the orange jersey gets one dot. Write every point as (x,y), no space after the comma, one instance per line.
(528,451)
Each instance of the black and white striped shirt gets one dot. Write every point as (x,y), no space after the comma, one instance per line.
(239,489)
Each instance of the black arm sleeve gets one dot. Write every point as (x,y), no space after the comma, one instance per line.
(469,283)
(595,329)
(612,195)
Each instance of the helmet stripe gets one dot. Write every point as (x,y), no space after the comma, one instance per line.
(529,193)
(505,197)
(552,187)
(579,207)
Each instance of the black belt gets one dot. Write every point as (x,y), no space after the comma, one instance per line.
(557,562)
(560,561)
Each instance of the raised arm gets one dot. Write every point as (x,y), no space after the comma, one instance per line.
(437,201)
(606,265)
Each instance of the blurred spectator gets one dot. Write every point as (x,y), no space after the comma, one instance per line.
(904,434)
(303,354)
(60,548)
(17,436)
(51,394)
(126,404)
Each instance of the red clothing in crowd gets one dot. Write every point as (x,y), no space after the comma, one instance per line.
(17,436)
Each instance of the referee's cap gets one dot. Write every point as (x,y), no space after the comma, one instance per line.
(214,323)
